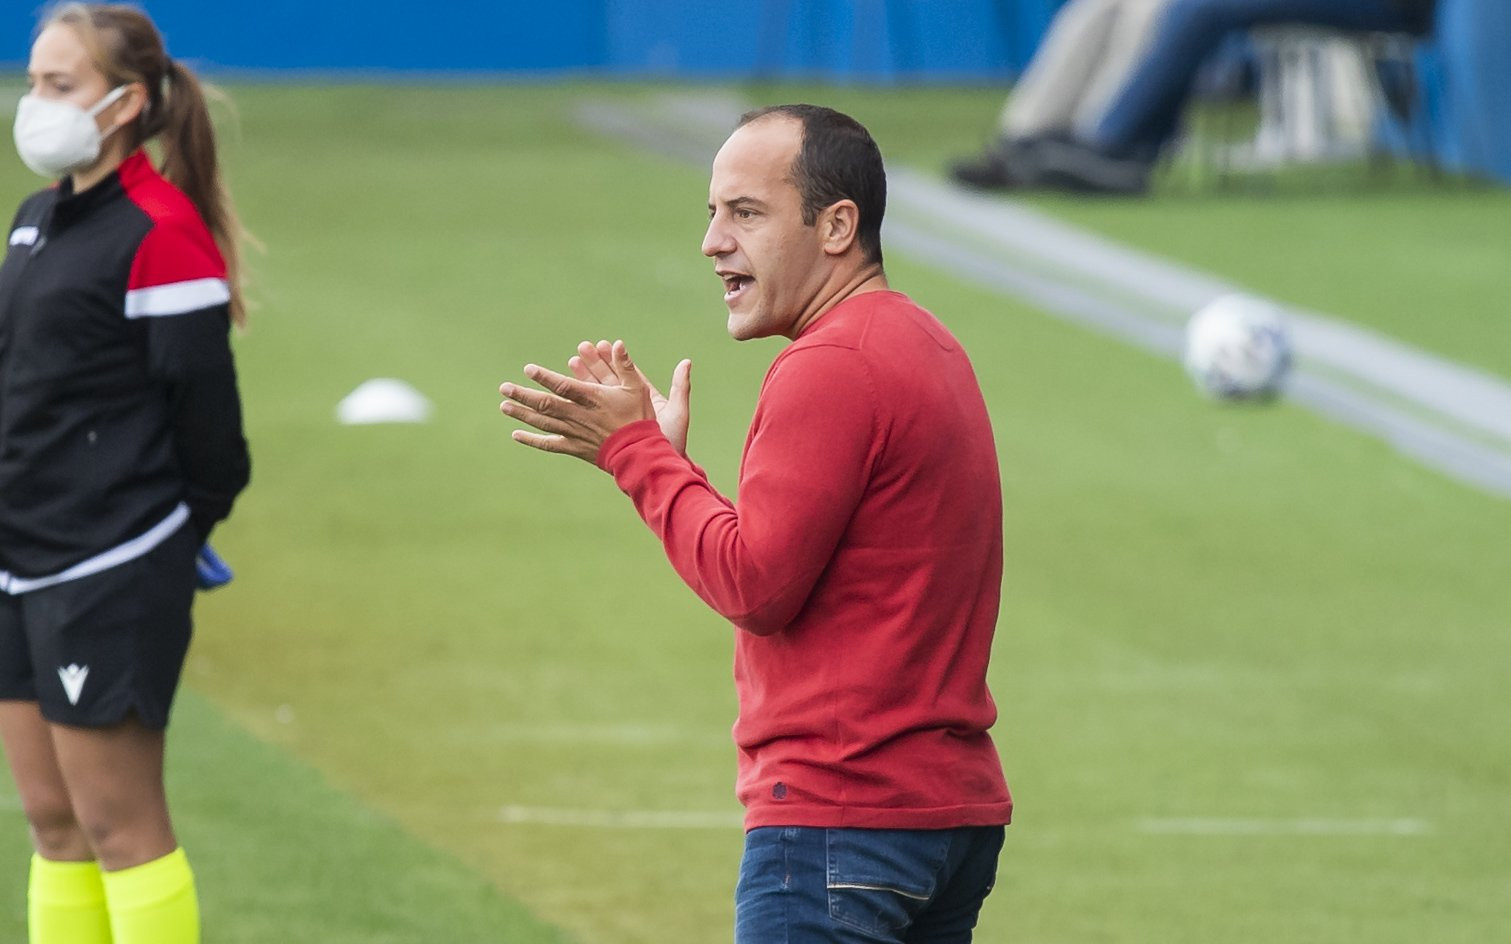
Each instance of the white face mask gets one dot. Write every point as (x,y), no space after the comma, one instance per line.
(56,138)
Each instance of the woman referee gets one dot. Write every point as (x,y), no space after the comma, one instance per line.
(120,448)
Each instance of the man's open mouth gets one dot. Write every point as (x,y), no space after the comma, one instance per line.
(735,284)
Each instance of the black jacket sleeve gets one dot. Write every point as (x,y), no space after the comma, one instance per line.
(191,353)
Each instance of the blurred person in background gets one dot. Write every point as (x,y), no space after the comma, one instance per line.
(1114,141)
(1083,60)
(121,447)
(861,566)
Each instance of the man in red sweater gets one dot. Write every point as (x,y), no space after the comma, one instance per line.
(862,565)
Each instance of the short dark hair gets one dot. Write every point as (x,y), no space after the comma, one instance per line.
(837,160)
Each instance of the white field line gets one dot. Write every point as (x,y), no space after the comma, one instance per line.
(1165,826)
(1445,415)
(1476,458)
(1301,826)
(620,819)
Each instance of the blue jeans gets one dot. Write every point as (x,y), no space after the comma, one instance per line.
(1143,116)
(805,885)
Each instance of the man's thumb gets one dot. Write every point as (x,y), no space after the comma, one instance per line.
(682,383)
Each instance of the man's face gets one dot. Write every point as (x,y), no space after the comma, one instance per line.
(773,266)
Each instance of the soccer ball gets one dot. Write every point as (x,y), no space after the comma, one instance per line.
(1238,348)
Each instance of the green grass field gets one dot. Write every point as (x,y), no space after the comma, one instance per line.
(1249,666)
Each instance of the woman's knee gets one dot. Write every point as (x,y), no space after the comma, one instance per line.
(122,836)
(55,830)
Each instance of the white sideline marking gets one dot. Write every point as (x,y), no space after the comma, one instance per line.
(1431,437)
(1305,826)
(620,819)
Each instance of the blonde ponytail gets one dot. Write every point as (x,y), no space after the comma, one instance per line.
(191,164)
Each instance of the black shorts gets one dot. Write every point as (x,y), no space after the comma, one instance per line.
(93,650)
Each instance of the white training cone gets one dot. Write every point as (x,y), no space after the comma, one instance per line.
(383,400)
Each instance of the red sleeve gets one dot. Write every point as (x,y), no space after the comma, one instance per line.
(177,269)
(177,249)
(178,289)
(806,462)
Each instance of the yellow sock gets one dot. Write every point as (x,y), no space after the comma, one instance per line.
(65,903)
(154,903)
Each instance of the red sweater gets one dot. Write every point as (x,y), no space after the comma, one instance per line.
(862,568)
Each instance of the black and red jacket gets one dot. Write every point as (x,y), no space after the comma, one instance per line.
(119,411)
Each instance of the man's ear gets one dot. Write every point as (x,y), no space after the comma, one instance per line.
(839,227)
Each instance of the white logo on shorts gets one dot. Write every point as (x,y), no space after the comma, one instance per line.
(72,677)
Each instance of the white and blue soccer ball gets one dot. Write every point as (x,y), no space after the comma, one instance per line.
(1238,348)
